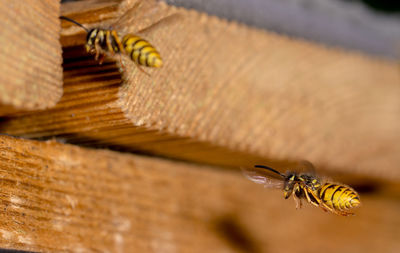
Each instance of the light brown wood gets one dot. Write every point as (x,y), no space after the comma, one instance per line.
(57,197)
(30,55)
(228,86)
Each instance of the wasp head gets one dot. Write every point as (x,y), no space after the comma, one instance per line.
(91,40)
(290,181)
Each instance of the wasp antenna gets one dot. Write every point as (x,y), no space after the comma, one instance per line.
(73,21)
(268,168)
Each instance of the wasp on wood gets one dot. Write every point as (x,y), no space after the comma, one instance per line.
(100,41)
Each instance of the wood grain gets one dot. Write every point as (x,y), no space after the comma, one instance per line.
(30,55)
(228,86)
(63,198)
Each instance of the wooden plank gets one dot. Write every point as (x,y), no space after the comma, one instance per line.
(327,22)
(30,55)
(228,86)
(58,197)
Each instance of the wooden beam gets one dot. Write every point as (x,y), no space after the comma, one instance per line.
(226,86)
(58,197)
(327,22)
(30,55)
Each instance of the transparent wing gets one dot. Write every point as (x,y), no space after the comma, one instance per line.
(160,23)
(141,15)
(305,166)
(264,177)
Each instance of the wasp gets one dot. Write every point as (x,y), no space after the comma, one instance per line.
(333,197)
(100,41)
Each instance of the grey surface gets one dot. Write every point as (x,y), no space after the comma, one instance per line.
(342,23)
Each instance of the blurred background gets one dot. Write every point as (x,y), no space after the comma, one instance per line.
(368,25)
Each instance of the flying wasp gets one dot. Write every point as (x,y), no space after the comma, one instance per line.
(333,197)
(100,41)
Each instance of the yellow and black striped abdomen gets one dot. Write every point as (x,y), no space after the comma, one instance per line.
(141,51)
(339,197)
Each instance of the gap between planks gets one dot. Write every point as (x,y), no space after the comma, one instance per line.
(228,95)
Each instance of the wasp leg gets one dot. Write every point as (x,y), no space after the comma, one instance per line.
(296,198)
(120,61)
(141,69)
(309,199)
(96,57)
(326,207)
(96,51)
(101,60)
(316,197)
(343,213)
(346,214)
(108,42)
(298,202)
(96,43)
(118,41)
(322,205)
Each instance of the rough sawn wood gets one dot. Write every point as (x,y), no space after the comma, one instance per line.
(62,198)
(30,55)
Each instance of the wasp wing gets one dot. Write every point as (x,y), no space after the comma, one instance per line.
(264,177)
(165,21)
(141,15)
(305,167)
